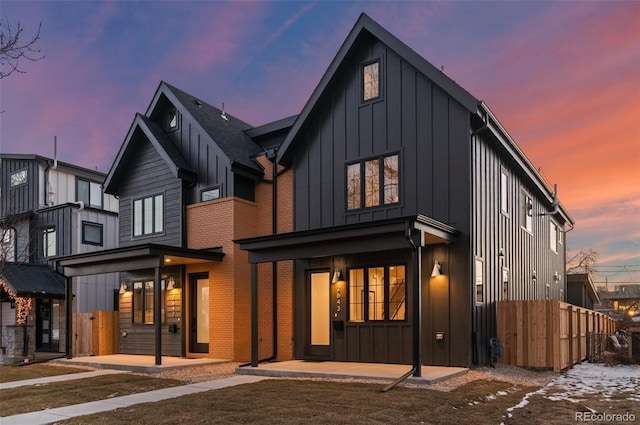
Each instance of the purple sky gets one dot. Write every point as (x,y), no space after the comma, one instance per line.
(563,78)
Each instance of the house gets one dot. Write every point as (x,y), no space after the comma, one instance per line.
(581,290)
(414,212)
(49,209)
(381,224)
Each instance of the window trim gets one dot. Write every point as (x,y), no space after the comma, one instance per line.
(24,180)
(526,213)
(90,202)
(553,236)
(45,244)
(169,116)
(504,191)
(365,302)
(363,65)
(209,189)
(479,266)
(86,224)
(163,306)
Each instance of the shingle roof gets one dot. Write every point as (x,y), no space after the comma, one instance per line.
(33,280)
(229,134)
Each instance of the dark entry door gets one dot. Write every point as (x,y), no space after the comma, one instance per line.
(199,313)
(44,325)
(319,314)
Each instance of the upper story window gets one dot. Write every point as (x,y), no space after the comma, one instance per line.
(210,194)
(48,242)
(526,215)
(377,293)
(371,81)
(8,246)
(553,237)
(91,233)
(18,178)
(504,191)
(479,281)
(148,215)
(171,120)
(380,185)
(89,192)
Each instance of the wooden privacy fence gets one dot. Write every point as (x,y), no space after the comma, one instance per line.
(547,333)
(95,333)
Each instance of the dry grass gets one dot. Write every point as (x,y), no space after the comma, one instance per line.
(32,371)
(279,401)
(38,397)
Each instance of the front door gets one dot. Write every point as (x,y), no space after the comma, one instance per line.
(199,313)
(319,315)
(47,326)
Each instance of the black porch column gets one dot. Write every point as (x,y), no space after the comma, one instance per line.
(68,304)
(157,315)
(254,315)
(415,238)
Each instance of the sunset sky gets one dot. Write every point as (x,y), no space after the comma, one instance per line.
(562,77)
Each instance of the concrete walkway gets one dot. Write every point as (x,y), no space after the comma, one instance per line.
(50,416)
(57,378)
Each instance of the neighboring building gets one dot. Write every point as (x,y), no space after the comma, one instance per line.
(581,291)
(50,209)
(622,302)
(382,224)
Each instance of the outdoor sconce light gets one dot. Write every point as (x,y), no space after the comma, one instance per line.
(337,276)
(501,254)
(436,269)
(123,288)
(534,277)
(556,277)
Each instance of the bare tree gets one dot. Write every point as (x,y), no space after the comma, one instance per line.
(581,261)
(13,49)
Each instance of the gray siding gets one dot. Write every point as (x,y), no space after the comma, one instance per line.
(149,175)
(21,198)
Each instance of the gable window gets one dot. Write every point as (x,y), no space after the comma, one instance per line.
(91,233)
(210,194)
(553,237)
(377,293)
(171,120)
(48,242)
(526,214)
(18,178)
(8,246)
(504,192)
(88,192)
(381,182)
(148,215)
(371,81)
(143,305)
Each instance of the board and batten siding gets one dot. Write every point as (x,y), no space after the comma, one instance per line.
(524,251)
(414,118)
(22,198)
(150,175)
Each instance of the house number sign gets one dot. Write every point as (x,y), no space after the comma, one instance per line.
(338,300)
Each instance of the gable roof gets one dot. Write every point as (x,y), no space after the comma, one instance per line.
(229,134)
(367,25)
(171,155)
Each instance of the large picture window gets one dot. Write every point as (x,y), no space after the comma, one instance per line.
(377,293)
(380,186)
(148,215)
(143,305)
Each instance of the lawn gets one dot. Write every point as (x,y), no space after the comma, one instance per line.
(31,371)
(279,401)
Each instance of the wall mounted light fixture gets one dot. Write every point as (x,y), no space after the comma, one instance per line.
(534,277)
(556,277)
(123,288)
(337,276)
(171,284)
(437,269)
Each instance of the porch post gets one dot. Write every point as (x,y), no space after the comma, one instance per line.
(254,315)
(157,315)
(68,305)
(415,239)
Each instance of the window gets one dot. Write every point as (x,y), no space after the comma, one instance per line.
(210,194)
(505,283)
(553,237)
(504,192)
(547,292)
(143,293)
(381,182)
(527,213)
(18,178)
(91,233)
(479,281)
(377,293)
(148,215)
(8,246)
(171,122)
(49,242)
(371,81)
(89,192)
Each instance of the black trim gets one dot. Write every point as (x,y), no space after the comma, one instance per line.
(86,224)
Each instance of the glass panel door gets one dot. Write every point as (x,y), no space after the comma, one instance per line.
(319,314)
(199,314)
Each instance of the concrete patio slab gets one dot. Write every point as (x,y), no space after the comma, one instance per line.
(350,370)
(137,363)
